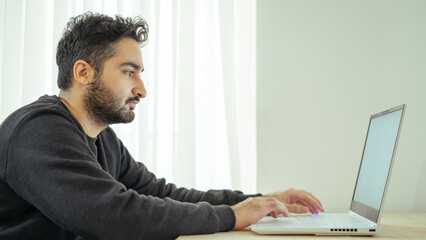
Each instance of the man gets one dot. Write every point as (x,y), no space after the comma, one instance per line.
(64,174)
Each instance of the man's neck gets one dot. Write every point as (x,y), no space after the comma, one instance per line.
(77,108)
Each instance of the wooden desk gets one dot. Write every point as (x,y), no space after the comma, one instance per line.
(395,226)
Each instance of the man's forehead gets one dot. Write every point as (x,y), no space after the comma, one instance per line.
(128,53)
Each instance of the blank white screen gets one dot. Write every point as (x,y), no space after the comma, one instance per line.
(377,158)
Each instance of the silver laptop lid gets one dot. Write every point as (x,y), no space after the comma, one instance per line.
(376,162)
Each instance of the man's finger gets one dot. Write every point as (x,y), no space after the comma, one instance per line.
(312,202)
(317,200)
(309,206)
(295,208)
(282,208)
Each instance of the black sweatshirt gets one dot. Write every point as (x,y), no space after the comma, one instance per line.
(58,183)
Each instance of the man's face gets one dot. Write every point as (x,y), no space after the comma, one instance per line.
(112,96)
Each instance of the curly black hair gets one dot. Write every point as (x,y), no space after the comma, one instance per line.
(91,37)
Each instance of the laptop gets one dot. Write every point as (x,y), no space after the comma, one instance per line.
(369,193)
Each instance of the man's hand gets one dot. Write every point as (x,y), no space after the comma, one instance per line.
(299,201)
(252,210)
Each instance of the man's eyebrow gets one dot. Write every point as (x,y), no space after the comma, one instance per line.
(132,64)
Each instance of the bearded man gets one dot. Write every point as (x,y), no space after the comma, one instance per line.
(64,174)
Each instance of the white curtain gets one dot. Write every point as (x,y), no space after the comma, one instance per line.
(196,127)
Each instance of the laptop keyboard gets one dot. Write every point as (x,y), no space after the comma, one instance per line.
(331,221)
(328,220)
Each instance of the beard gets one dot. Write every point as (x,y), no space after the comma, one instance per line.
(104,106)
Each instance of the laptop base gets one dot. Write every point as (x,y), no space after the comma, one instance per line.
(316,224)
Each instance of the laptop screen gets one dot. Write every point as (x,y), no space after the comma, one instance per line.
(376,162)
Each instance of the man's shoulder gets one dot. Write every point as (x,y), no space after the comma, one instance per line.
(36,118)
(47,106)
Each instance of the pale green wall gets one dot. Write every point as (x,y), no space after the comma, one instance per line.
(323,67)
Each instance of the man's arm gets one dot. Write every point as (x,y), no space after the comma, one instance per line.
(50,166)
(137,177)
(246,212)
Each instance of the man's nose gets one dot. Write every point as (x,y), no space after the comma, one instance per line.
(139,90)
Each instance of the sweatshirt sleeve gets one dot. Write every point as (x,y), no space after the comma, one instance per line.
(136,176)
(50,166)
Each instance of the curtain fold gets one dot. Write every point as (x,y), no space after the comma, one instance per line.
(196,127)
(226,11)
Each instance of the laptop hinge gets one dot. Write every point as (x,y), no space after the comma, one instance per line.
(373,224)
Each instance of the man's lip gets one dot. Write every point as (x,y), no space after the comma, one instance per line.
(133,104)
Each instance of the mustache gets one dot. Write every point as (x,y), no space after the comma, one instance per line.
(132,99)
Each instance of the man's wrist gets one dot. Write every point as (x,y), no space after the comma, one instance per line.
(243,197)
(226,218)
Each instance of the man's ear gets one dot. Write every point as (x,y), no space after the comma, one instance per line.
(83,72)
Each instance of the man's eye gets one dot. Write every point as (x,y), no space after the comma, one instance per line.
(129,73)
